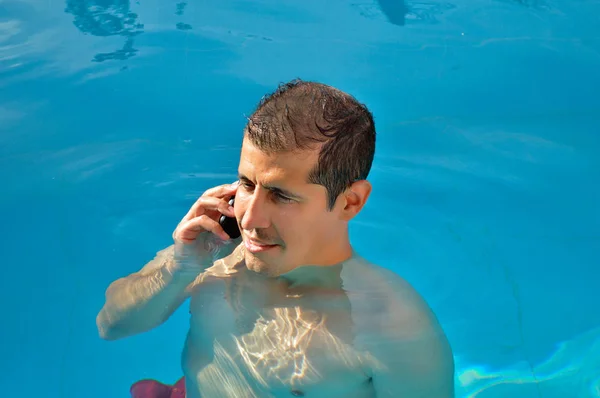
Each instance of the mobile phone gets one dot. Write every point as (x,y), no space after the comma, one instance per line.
(229,224)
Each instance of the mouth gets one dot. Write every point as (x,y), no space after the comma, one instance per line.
(254,246)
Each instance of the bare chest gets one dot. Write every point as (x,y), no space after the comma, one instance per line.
(243,344)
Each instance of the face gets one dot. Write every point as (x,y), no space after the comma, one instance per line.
(284,220)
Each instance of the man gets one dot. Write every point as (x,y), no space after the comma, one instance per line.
(289,308)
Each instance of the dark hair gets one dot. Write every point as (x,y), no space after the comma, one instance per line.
(303,115)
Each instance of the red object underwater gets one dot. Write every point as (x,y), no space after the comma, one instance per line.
(149,388)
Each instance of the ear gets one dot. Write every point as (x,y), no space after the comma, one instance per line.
(354,198)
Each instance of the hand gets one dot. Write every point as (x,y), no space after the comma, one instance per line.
(199,236)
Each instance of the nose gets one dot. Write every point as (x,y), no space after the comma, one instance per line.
(256,213)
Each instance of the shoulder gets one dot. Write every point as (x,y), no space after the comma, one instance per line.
(226,267)
(397,307)
(400,334)
(380,286)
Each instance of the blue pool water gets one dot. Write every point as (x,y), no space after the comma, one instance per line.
(115,115)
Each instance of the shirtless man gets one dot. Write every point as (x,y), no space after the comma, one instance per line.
(289,308)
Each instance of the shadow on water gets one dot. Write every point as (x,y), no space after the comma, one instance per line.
(401,13)
(105,18)
(395,11)
(533,4)
(180,9)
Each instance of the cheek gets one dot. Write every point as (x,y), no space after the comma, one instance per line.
(303,227)
(325,227)
(291,224)
(239,206)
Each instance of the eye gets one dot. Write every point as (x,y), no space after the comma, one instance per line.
(282,198)
(246,184)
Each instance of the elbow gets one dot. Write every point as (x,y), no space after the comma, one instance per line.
(107,334)
(106,330)
(110,330)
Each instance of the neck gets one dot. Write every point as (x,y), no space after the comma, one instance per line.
(324,268)
(322,274)
(334,251)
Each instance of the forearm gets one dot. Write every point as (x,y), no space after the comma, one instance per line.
(142,301)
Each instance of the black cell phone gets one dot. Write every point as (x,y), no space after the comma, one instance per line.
(229,224)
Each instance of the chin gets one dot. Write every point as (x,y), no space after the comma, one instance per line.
(253,263)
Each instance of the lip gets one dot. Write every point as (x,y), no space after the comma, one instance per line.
(256,247)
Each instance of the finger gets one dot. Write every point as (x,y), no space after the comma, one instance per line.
(208,203)
(189,231)
(222,191)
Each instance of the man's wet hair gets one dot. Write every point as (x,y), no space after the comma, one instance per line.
(304,115)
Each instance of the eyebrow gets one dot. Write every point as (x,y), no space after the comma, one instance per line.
(273,188)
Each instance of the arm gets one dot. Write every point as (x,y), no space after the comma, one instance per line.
(410,353)
(421,367)
(147,298)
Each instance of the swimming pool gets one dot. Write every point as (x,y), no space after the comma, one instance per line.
(116,115)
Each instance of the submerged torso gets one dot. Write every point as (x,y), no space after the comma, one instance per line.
(252,336)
